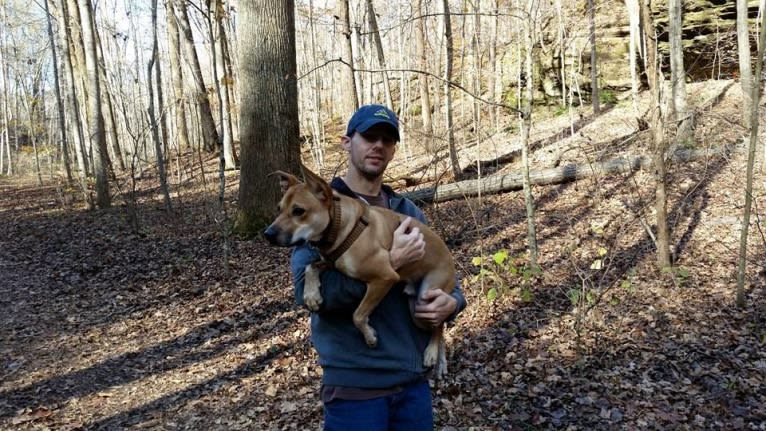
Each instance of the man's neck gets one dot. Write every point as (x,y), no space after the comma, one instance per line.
(362,185)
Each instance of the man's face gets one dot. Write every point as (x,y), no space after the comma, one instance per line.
(371,151)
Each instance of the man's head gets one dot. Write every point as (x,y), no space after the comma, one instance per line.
(373,115)
(370,139)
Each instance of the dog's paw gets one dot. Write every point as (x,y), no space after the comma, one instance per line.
(431,355)
(312,300)
(371,337)
(440,369)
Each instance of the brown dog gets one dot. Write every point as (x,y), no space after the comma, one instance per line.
(356,239)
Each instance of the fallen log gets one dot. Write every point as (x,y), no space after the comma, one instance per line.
(562,174)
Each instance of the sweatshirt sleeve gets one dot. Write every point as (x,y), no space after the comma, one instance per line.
(339,292)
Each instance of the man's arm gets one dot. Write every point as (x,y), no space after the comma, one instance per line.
(339,292)
(436,306)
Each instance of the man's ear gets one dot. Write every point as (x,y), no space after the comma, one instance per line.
(285,180)
(317,185)
(345,142)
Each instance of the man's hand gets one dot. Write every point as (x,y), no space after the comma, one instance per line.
(435,307)
(407,246)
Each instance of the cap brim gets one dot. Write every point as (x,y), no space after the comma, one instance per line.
(366,125)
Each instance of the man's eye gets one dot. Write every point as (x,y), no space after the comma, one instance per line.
(297,212)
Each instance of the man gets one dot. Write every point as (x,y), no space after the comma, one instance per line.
(385,387)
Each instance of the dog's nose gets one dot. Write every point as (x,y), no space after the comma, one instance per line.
(270,234)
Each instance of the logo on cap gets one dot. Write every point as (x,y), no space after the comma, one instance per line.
(382,113)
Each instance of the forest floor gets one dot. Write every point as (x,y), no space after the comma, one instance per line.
(117,322)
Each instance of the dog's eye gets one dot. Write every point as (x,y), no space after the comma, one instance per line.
(297,211)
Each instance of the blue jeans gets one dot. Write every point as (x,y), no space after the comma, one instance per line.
(409,410)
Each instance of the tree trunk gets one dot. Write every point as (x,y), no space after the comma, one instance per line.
(425,96)
(110,120)
(756,99)
(494,79)
(223,82)
(96,121)
(59,100)
(454,162)
(743,53)
(269,108)
(526,125)
(70,40)
(317,128)
(375,35)
(476,66)
(209,133)
(684,132)
(593,57)
(349,96)
(176,76)
(659,149)
(634,17)
(159,153)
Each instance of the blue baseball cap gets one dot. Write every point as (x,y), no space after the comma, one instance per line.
(370,115)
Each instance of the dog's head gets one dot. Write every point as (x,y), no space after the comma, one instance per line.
(303,212)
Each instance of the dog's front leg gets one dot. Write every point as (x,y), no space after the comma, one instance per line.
(376,290)
(312,297)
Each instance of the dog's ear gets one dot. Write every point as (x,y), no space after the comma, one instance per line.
(317,185)
(285,180)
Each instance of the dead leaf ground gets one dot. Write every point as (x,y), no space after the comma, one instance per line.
(106,328)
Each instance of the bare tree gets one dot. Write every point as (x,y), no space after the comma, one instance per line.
(207,124)
(756,99)
(159,153)
(593,57)
(659,143)
(71,39)
(269,113)
(425,96)
(448,65)
(634,17)
(526,124)
(96,119)
(743,52)
(678,76)
(59,99)
(378,43)
(176,75)
(349,96)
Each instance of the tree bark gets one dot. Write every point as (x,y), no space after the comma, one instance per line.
(659,147)
(756,99)
(96,121)
(448,59)
(593,57)
(269,109)
(159,153)
(743,54)
(526,125)
(207,124)
(110,119)
(71,40)
(59,99)
(425,96)
(222,81)
(634,17)
(375,35)
(684,132)
(349,96)
(176,76)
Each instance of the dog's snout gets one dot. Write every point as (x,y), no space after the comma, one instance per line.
(270,234)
